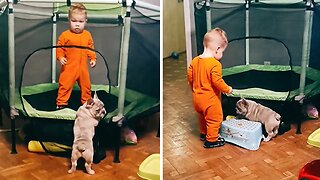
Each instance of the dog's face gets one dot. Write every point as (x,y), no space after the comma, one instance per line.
(242,107)
(96,107)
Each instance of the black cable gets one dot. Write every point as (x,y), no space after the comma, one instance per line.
(269,38)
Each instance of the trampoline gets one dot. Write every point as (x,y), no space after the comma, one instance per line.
(275,62)
(265,61)
(38,100)
(29,88)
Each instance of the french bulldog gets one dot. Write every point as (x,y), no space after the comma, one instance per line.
(256,112)
(87,118)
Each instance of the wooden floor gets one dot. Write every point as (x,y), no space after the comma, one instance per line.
(183,154)
(41,166)
(185,158)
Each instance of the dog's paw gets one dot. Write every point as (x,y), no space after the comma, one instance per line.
(88,168)
(90,171)
(70,171)
(266,139)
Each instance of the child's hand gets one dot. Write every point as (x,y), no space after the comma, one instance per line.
(231,90)
(63,61)
(92,63)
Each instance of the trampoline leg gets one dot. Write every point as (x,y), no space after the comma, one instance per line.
(1,120)
(13,136)
(299,99)
(158,133)
(299,121)
(117,143)
(298,127)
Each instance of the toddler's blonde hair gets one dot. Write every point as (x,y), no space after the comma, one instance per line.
(216,35)
(77,8)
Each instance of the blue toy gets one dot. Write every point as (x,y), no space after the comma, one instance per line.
(175,55)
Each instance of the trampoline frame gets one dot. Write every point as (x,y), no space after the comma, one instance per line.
(123,52)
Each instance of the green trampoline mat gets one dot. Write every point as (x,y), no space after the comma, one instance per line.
(39,102)
(269,79)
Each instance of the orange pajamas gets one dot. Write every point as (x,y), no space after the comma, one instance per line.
(76,68)
(205,78)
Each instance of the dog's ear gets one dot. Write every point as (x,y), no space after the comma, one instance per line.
(95,96)
(277,116)
(90,103)
(241,101)
(245,102)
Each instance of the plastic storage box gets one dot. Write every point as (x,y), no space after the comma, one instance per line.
(244,133)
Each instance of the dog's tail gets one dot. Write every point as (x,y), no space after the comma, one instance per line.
(81,147)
